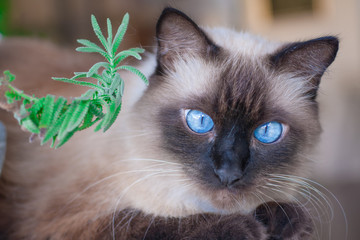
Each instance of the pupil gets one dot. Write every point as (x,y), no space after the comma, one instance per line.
(202,120)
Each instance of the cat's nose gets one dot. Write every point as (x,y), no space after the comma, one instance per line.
(228,176)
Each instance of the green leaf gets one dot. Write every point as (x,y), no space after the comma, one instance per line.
(90,44)
(84,75)
(92,50)
(47,114)
(81,83)
(110,108)
(124,54)
(28,123)
(128,53)
(79,75)
(116,81)
(89,94)
(98,32)
(68,115)
(113,118)
(62,120)
(94,69)
(120,33)
(9,76)
(96,109)
(23,111)
(53,129)
(78,115)
(36,109)
(58,107)
(87,120)
(53,141)
(109,29)
(10,96)
(66,138)
(135,71)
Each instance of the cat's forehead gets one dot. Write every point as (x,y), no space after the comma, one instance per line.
(225,87)
(237,81)
(243,43)
(241,62)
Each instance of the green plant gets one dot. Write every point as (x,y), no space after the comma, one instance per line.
(53,118)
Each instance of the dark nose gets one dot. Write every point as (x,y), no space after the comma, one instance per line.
(228,176)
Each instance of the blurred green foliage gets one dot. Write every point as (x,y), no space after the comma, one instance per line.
(4,16)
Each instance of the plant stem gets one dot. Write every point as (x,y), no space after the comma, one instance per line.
(21,93)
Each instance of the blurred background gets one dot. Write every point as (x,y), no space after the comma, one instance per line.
(337,162)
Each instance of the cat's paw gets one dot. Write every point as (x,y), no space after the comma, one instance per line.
(285,221)
(230,227)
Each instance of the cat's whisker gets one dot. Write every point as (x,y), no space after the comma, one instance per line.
(124,192)
(309,183)
(110,177)
(262,200)
(301,182)
(147,229)
(276,202)
(125,137)
(150,160)
(236,201)
(307,157)
(277,189)
(311,196)
(305,192)
(129,216)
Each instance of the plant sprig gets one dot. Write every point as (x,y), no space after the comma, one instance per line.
(53,118)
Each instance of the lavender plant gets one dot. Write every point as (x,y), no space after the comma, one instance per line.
(54,118)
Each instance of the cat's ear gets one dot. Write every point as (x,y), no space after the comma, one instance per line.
(180,37)
(307,59)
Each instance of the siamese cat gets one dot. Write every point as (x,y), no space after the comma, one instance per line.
(211,149)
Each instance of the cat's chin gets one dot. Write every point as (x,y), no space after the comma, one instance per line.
(227,201)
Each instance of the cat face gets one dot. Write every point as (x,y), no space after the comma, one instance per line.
(233,109)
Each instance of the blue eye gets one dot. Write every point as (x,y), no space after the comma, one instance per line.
(268,132)
(198,121)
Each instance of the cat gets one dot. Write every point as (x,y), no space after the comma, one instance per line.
(195,155)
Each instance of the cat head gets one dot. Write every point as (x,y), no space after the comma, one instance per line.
(236,111)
